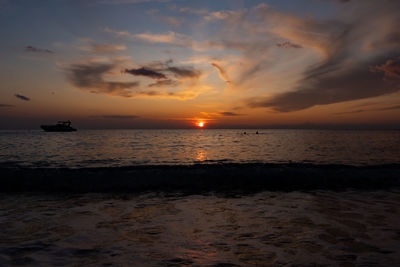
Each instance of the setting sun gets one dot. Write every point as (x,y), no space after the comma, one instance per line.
(200,124)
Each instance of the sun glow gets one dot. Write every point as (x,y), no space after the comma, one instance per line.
(200,124)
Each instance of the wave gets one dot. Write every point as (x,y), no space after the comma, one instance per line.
(246,177)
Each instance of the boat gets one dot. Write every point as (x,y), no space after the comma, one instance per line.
(61,126)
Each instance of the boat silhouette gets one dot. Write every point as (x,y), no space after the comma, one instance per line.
(61,126)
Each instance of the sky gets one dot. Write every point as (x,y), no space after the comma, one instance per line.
(175,63)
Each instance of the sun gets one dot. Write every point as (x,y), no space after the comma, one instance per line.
(200,124)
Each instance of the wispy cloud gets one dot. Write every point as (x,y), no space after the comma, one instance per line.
(173,21)
(288,44)
(123,34)
(230,114)
(180,94)
(389,108)
(118,117)
(6,106)
(164,83)
(106,48)
(33,49)
(220,15)
(22,97)
(169,38)
(368,110)
(184,72)
(222,72)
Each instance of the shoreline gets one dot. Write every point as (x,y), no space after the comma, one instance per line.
(243,178)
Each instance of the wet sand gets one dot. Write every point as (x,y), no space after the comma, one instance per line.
(315,228)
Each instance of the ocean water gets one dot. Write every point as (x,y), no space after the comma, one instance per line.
(208,214)
(116,148)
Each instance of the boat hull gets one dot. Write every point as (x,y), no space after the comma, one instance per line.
(57,128)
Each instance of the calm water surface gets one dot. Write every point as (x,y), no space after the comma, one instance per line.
(110,148)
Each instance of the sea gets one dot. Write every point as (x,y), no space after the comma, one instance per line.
(201,197)
(121,148)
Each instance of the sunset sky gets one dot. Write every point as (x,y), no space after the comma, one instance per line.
(174,63)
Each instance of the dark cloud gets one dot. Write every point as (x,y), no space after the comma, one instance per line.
(90,77)
(22,97)
(165,74)
(349,51)
(184,72)
(147,72)
(160,70)
(162,83)
(229,114)
(288,44)
(6,106)
(116,116)
(325,88)
(30,48)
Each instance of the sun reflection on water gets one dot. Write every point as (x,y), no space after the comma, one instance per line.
(201,155)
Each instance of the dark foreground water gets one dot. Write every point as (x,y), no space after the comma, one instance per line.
(116,148)
(319,228)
